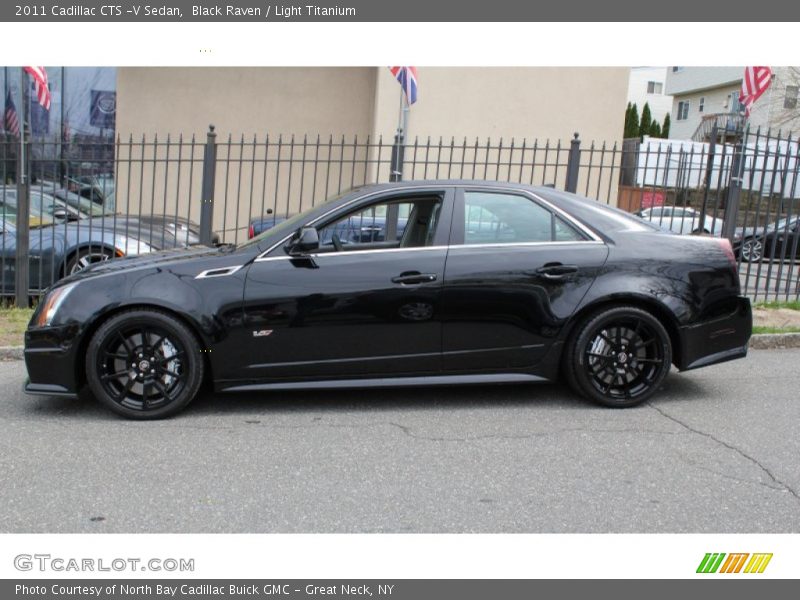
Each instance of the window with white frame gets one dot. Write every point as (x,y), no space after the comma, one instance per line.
(683,111)
(790,99)
(655,87)
(701,105)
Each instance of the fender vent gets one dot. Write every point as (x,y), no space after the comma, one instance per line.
(221,272)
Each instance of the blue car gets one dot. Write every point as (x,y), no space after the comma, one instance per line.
(57,250)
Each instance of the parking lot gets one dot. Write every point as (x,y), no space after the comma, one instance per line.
(716,451)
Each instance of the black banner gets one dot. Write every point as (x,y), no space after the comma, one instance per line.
(407,11)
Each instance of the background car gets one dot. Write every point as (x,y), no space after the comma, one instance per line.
(779,240)
(57,250)
(681,219)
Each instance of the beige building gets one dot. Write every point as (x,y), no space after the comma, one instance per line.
(454,102)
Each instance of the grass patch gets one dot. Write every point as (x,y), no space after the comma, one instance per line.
(13,322)
(791,305)
(767,329)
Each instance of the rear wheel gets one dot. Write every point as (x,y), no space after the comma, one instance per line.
(144,364)
(618,357)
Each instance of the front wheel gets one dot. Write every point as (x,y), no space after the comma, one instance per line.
(144,364)
(618,357)
(86,257)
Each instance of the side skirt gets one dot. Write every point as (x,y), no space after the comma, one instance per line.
(388,382)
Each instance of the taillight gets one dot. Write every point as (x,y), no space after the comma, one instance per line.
(251,232)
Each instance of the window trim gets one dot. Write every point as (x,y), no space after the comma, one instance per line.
(679,112)
(653,84)
(454,192)
(791,102)
(447,192)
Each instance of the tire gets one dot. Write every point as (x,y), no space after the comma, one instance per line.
(599,365)
(752,250)
(144,364)
(699,231)
(86,257)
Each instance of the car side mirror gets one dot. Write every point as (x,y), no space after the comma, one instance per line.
(305,240)
(61,214)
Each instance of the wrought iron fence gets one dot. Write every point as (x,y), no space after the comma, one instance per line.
(97,198)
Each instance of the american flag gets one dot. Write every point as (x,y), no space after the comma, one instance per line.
(10,119)
(407,76)
(39,76)
(755,83)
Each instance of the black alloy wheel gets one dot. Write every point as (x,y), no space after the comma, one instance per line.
(618,357)
(144,364)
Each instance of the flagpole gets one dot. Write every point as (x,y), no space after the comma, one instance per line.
(24,115)
(769,101)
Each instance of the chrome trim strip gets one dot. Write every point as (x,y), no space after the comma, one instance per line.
(524,244)
(218,272)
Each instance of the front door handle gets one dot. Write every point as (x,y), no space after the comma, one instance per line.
(556,271)
(414,277)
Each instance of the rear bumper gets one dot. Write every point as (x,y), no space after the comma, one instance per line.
(717,340)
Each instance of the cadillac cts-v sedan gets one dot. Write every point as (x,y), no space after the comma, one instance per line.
(487,283)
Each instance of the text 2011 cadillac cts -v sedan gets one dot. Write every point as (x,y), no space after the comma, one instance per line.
(486,283)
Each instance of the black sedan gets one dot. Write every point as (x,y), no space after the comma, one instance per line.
(779,240)
(550,284)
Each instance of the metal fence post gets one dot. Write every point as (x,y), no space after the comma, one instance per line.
(22,266)
(573,164)
(734,191)
(398,151)
(207,191)
(712,151)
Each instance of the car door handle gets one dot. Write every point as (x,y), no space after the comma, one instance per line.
(414,277)
(555,271)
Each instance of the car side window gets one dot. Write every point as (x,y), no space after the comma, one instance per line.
(498,218)
(398,223)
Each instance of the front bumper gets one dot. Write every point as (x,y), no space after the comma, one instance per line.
(50,358)
(717,340)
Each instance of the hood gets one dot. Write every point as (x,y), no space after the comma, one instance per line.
(164,258)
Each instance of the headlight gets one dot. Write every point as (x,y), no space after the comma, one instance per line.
(52,302)
(130,247)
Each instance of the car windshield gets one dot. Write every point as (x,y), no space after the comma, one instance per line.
(785,223)
(82,204)
(290,224)
(8,212)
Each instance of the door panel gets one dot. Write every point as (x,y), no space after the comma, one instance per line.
(345,316)
(503,307)
(505,301)
(355,308)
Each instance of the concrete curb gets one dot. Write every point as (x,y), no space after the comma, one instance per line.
(772,341)
(761,341)
(11,353)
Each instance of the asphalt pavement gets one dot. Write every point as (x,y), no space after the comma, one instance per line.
(716,451)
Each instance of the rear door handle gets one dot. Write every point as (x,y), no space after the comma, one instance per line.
(414,277)
(556,271)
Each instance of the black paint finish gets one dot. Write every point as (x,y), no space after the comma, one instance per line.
(440,311)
